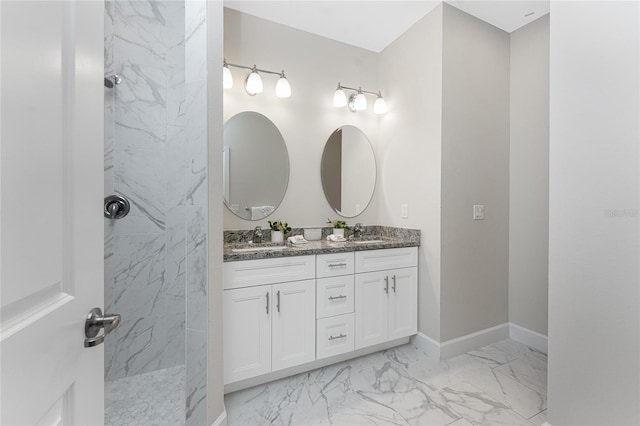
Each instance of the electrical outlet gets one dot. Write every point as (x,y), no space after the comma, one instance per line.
(404,211)
(478,212)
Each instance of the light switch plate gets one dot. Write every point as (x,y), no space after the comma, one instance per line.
(478,211)
(404,211)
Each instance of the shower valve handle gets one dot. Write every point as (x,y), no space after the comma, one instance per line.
(116,207)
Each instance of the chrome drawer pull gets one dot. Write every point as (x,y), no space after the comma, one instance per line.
(386,284)
(337,297)
(267,296)
(341,336)
(336,265)
(394,283)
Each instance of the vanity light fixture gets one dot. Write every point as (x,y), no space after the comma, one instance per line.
(253,83)
(227,78)
(357,101)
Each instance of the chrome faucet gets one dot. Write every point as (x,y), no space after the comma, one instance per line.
(358,230)
(257,235)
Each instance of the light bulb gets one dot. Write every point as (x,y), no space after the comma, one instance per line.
(283,88)
(253,84)
(360,102)
(339,98)
(227,78)
(380,106)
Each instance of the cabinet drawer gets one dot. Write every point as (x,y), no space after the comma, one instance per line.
(332,265)
(335,336)
(249,273)
(334,296)
(380,260)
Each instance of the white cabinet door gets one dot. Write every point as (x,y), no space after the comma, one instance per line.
(403,293)
(247,332)
(371,301)
(52,221)
(294,324)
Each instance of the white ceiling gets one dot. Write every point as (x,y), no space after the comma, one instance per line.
(373,25)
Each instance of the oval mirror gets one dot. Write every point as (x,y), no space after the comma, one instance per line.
(348,171)
(255,166)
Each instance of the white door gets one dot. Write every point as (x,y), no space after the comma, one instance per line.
(371,299)
(247,332)
(51,235)
(403,312)
(294,324)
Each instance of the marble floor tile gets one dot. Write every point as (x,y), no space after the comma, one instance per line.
(520,398)
(528,354)
(477,407)
(401,386)
(534,376)
(461,422)
(539,419)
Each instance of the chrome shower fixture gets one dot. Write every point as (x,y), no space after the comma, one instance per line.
(112,80)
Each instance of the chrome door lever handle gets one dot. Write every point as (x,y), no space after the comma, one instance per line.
(96,321)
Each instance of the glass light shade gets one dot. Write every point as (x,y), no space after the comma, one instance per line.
(253,84)
(283,88)
(380,106)
(227,78)
(360,102)
(339,98)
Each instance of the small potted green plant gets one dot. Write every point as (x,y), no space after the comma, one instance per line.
(278,229)
(339,226)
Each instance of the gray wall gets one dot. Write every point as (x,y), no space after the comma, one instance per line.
(529,177)
(475,170)
(144,127)
(594,228)
(409,153)
(314,65)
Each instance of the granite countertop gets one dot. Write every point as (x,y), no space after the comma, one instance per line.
(380,237)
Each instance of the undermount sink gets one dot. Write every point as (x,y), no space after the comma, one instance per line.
(244,250)
(368,242)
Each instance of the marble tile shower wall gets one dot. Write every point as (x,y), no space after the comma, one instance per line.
(145,265)
(155,154)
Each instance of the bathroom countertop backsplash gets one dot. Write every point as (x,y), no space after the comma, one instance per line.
(391,238)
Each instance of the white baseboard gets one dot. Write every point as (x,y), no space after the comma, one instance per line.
(460,345)
(221,420)
(470,342)
(528,337)
(427,345)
